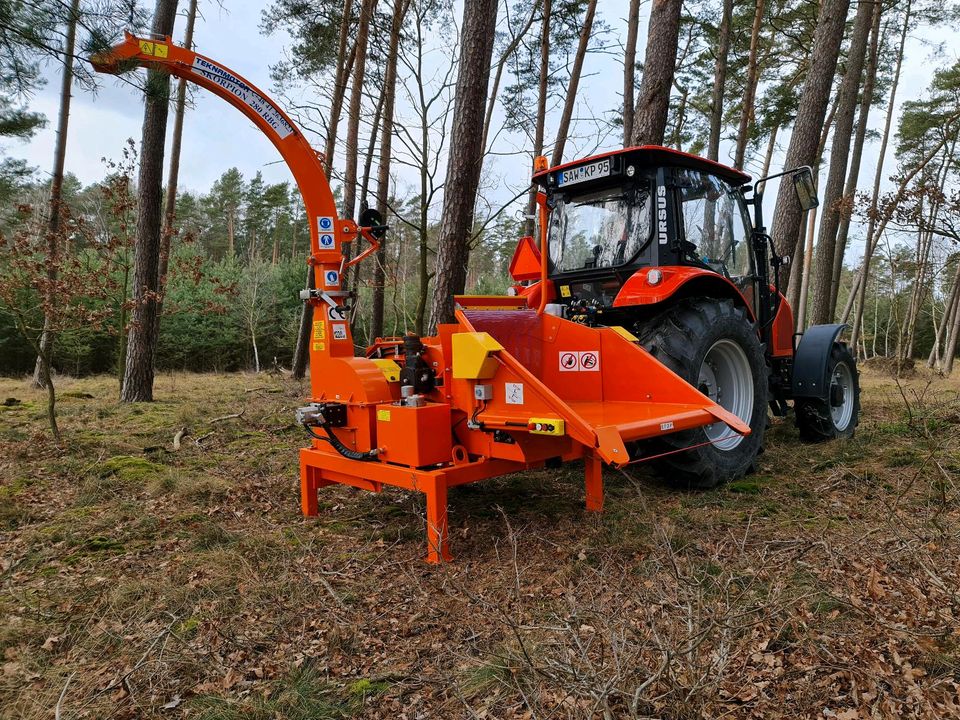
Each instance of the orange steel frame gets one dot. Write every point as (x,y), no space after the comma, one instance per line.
(595,430)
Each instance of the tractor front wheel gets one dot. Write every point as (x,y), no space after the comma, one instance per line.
(836,416)
(714,346)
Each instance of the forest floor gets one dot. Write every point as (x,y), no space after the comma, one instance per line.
(138,581)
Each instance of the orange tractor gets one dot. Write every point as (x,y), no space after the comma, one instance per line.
(645,326)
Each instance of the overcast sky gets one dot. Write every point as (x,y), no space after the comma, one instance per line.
(217,137)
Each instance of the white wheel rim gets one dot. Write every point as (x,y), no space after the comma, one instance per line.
(727,379)
(843,413)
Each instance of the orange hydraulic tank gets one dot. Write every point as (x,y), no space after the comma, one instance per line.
(414,436)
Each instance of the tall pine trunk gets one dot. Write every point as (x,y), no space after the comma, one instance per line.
(858,291)
(383,171)
(630,69)
(839,156)
(142,339)
(853,178)
(753,74)
(719,81)
(466,157)
(659,65)
(541,119)
(352,145)
(173,174)
(563,128)
(810,115)
(43,367)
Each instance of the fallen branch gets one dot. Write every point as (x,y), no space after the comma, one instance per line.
(228,417)
(63,694)
(203,437)
(181,433)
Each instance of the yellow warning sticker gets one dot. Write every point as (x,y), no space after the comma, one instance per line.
(383,415)
(319,330)
(155,49)
(565,291)
(319,346)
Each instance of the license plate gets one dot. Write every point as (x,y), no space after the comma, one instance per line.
(590,171)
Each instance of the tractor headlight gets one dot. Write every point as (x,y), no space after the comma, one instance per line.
(654,277)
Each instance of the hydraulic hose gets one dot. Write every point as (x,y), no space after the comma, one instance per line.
(340,447)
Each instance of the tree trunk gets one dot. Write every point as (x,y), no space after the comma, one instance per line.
(383,171)
(42,369)
(950,350)
(719,82)
(170,202)
(799,282)
(807,126)
(564,127)
(352,149)
(858,293)
(339,87)
(540,121)
(753,74)
(142,339)
(466,156)
(501,64)
(822,302)
(630,69)
(301,353)
(942,337)
(850,191)
(365,188)
(653,105)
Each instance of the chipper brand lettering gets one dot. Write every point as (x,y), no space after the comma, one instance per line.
(251,97)
(662,214)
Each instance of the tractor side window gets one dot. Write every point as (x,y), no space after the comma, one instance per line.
(715,228)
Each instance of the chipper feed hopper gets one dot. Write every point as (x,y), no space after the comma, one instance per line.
(534,379)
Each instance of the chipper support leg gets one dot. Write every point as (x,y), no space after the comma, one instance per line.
(594,482)
(310,482)
(437,548)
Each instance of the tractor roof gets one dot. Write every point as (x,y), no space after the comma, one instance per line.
(657,156)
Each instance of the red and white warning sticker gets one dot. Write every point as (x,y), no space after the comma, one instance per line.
(579,361)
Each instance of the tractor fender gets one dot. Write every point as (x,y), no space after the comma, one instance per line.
(677,282)
(811,361)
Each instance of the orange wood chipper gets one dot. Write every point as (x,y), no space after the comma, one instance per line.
(644,326)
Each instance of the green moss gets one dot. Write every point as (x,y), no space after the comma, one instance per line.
(367,688)
(128,469)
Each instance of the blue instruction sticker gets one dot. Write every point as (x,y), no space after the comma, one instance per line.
(331,278)
(326,241)
(325,224)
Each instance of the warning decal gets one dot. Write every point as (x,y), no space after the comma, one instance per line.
(579,361)
(569,362)
(319,334)
(339,331)
(230,82)
(590,360)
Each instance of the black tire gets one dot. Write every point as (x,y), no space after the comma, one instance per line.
(681,338)
(820,420)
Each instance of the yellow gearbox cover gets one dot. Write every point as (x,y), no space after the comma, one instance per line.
(472,355)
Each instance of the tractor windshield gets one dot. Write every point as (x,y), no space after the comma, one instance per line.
(599,230)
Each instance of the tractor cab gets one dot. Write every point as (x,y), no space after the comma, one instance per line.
(615,215)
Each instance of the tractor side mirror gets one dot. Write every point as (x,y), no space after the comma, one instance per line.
(806,190)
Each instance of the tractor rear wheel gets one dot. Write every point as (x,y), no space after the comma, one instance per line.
(838,415)
(713,345)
